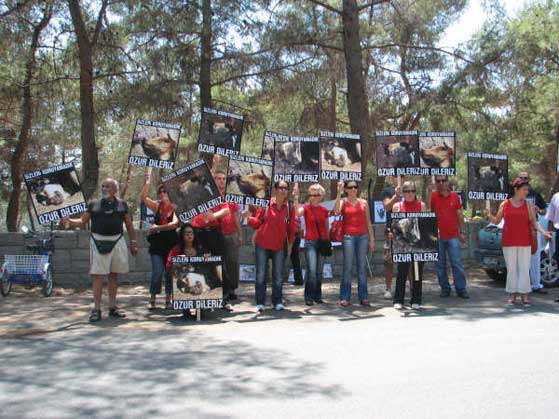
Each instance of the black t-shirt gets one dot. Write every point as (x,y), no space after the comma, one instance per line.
(107,216)
(387,193)
(536,199)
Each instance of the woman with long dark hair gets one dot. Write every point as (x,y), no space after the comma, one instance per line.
(359,238)
(162,237)
(275,228)
(520,217)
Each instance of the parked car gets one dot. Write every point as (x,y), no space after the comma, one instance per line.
(490,255)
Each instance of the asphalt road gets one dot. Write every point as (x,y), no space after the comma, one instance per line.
(456,359)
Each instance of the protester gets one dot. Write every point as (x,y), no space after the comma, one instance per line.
(390,195)
(450,219)
(162,237)
(552,216)
(316,228)
(275,228)
(409,204)
(519,216)
(233,238)
(535,260)
(108,252)
(359,237)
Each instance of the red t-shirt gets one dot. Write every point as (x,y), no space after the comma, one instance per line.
(199,221)
(228,222)
(355,218)
(410,206)
(446,208)
(272,230)
(516,230)
(314,215)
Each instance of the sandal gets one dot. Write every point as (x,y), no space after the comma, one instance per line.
(94,316)
(151,306)
(511,302)
(526,302)
(116,312)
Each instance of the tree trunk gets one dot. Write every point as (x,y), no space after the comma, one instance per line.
(206,55)
(90,158)
(25,131)
(332,108)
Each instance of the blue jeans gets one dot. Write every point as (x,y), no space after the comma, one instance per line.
(452,246)
(262,256)
(157,272)
(358,246)
(313,278)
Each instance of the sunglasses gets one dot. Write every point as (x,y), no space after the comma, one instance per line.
(351,187)
(440,180)
(409,191)
(524,178)
(313,195)
(283,188)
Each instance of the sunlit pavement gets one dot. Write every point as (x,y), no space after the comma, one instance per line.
(455,359)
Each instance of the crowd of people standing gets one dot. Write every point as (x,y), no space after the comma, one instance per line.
(278,233)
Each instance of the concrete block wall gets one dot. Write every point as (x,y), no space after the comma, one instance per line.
(71,258)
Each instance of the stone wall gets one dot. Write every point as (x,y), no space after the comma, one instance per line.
(71,259)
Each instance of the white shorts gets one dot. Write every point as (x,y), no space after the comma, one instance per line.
(114,262)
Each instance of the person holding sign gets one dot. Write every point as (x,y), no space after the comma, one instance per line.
(390,195)
(409,204)
(316,229)
(450,219)
(275,229)
(108,252)
(162,237)
(520,217)
(359,238)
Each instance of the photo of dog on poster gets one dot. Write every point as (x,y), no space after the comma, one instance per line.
(154,140)
(196,279)
(220,132)
(437,152)
(297,157)
(249,178)
(54,189)
(414,234)
(340,154)
(192,189)
(487,174)
(397,151)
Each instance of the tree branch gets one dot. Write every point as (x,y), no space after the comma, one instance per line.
(420,47)
(99,24)
(326,6)
(19,5)
(372,4)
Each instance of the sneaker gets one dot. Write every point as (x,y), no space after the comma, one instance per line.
(398,306)
(539,291)
(416,306)
(116,312)
(228,306)
(309,302)
(279,307)
(463,294)
(445,292)
(387,295)
(94,316)
(260,307)
(319,301)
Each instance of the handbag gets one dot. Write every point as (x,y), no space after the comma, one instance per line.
(324,246)
(105,246)
(337,230)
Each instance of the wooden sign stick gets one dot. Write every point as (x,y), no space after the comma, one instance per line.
(416,270)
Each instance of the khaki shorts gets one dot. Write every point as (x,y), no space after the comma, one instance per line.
(114,262)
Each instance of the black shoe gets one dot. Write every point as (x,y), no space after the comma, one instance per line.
(116,312)
(309,302)
(233,296)
(95,316)
(445,292)
(319,301)
(299,283)
(463,294)
(540,291)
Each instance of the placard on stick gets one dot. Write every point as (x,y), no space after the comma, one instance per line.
(249,181)
(414,237)
(55,192)
(154,144)
(220,132)
(197,282)
(340,156)
(487,176)
(268,144)
(437,151)
(397,153)
(296,159)
(193,190)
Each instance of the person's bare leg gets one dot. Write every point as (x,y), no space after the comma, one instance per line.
(388,274)
(113,287)
(97,287)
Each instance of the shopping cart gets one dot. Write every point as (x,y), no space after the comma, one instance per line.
(29,270)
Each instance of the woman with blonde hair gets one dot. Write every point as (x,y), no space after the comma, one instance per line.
(316,228)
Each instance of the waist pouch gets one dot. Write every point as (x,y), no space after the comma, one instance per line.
(105,246)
